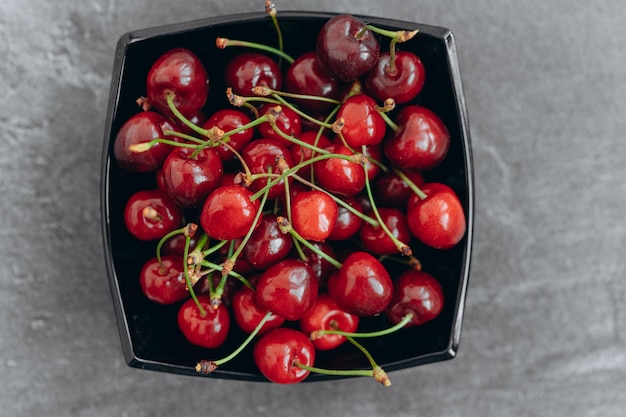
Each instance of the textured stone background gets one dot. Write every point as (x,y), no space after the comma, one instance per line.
(545,329)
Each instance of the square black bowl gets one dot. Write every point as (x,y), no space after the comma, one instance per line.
(149,335)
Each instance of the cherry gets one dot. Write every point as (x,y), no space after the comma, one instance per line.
(362,285)
(346,48)
(363,123)
(437,220)
(415,292)
(248,314)
(260,155)
(287,288)
(267,244)
(420,143)
(247,70)
(376,240)
(140,128)
(277,353)
(178,71)
(164,282)
(314,214)
(229,212)
(402,82)
(348,223)
(151,214)
(301,154)
(288,122)
(393,190)
(307,77)
(208,330)
(326,314)
(227,120)
(373,152)
(190,175)
(340,176)
(322,269)
(175,245)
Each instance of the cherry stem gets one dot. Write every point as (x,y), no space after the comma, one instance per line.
(225,42)
(296,243)
(188,280)
(285,227)
(165,239)
(421,194)
(412,262)
(405,320)
(377,370)
(388,121)
(402,247)
(263,90)
(303,114)
(335,372)
(397,35)
(169,96)
(218,267)
(214,248)
(270,9)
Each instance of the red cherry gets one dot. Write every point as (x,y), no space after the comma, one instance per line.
(288,122)
(374,238)
(277,352)
(248,314)
(251,69)
(164,282)
(421,142)
(227,120)
(348,223)
(339,50)
(306,76)
(181,72)
(322,269)
(402,84)
(362,285)
(175,245)
(260,155)
(327,315)
(288,288)
(314,214)
(140,128)
(228,213)
(190,178)
(340,176)
(300,154)
(415,292)
(393,190)
(267,244)
(151,214)
(363,123)
(208,331)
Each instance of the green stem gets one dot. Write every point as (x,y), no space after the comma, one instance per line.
(169,96)
(421,194)
(406,319)
(336,372)
(315,250)
(165,239)
(223,43)
(188,280)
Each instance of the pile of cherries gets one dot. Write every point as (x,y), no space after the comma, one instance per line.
(284,210)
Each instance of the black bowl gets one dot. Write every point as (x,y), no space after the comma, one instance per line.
(149,334)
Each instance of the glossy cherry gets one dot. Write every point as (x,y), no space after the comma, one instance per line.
(306,76)
(348,223)
(248,314)
(229,212)
(151,214)
(340,176)
(342,52)
(415,292)
(227,120)
(287,288)
(267,244)
(277,353)
(374,238)
(164,282)
(181,72)
(439,219)
(421,142)
(190,176)
(363,123)
(313,214)
(327,315)
(393,190)
(288,122)
(362,286)
(260,155)
(402,83)
(247,70)
(209,330)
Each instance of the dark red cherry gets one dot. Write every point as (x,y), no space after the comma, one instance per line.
(175,245)
(338,48)
(181,72)
(327,315)
(322,269)
(402,83)
(362,285)
(260,155)
(151,214)
(393,190)
(164,282)
(208,331)
(306,76)
(421,142)
(277,353)
(374,238)
(189,176)
(248,314)
(242,265)
(140,128)
(373,153)
(313,214)
(438,220)
(229,213)
(227,120)
(267,244)
(340,176)
(363,123)
(415,292)
(348,223)
(300,153)
(288,122)
(287,288)
(251,69)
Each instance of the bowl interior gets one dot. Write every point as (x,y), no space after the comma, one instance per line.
(149,333)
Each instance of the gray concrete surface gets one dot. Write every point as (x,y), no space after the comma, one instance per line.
(545,327)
